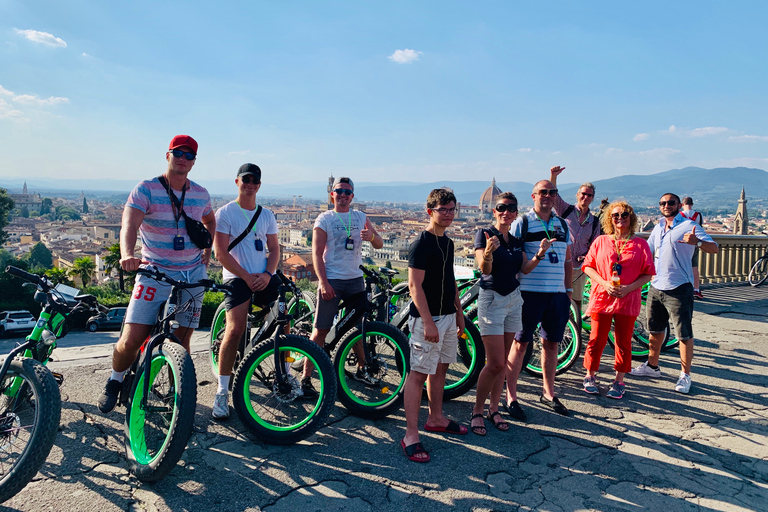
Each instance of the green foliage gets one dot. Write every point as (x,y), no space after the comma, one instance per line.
(216,276)
(83,268)
(34,213)
(14,295)
(40,256)
(211,302)
(306,285)
(6,206)
(46,206)
(59,276)
(24,212)
(109,294)
(66,213)
(389,264)
(85,206)
(112,259)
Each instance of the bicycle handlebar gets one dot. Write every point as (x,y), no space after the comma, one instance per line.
(208,284)
(32,278)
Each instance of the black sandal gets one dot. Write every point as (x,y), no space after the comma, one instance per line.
(501,425)
(481,431)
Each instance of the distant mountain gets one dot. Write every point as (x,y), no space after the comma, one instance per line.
(711,187)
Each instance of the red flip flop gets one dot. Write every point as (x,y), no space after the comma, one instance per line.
(451,428)
(414,449)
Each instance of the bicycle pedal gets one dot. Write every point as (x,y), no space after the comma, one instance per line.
(58,377)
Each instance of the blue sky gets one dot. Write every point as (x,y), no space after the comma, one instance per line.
(382,91)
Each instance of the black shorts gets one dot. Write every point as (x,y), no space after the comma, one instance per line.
(674,306)
(242,293)
(551,309)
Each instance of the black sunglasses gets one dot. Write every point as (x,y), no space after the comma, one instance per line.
(504,207)
(343,191)
(670,203)
(623,215)
(187,154)
(550,192)
(250,178)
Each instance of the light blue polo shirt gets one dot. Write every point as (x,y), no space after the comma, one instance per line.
(547,277)
(671,256)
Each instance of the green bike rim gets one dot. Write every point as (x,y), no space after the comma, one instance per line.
(138,442)
(217,334)
(564,357)
(342,377)
(470,344)
(249,405)
(292,311)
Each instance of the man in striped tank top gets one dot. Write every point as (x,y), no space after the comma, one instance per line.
(152,213)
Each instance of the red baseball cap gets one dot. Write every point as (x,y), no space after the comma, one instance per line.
(183,140)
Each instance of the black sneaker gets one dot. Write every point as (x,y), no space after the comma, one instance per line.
(109,396)
(555,404)
(307,389)
(516,411)
(363,376)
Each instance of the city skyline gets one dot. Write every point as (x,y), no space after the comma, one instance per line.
(397,92)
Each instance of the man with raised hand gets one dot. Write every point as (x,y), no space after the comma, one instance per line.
(248,248)
(154,210)
(436,320)
(583,228)
(337,241)
(546,292)
(670,297)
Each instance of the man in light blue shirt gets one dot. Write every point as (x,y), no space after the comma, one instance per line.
(670,298)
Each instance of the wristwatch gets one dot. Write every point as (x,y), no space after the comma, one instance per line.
(536,256)
(698,244)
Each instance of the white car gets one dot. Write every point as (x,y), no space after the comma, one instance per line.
(16,321)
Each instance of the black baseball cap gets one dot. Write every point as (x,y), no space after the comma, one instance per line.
(250,169)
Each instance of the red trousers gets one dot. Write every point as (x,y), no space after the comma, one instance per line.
(624,325)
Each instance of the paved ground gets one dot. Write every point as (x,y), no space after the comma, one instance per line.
(654,450)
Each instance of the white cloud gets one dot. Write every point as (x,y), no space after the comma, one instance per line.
(743,138)
(5,92)
(7,112)
(697,132)
(31,99)
(640,136)
(239,153)
(524,150)
(404,56)
(42,37)
(84,55)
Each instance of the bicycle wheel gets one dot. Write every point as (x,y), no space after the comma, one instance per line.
(470,360)
(759,272)
(641,338)
(568,351)
(389,349)
(30,411)
(156,435)
(217,336)
(302,313)
(283,416)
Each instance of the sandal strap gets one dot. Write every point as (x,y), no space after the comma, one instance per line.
(477,415)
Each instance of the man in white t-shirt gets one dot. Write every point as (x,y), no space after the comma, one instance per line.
(249,268)
(337,240)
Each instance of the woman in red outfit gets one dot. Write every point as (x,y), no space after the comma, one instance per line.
(619,264)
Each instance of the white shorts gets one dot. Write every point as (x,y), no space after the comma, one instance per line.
(149,296)
(425,355)
(498,313)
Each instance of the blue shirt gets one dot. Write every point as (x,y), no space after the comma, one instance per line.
(507,260)
(672,257)
(547,277)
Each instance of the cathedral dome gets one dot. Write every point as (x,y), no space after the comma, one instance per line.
(487,198)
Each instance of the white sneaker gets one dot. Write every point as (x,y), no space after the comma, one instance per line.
(221,406)
(645,371)
(683,383)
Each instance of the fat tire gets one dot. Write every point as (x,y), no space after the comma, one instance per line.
(469,363)
(568,352)
(46,411)
(217,335)
(149,467)
(392,369)
(759,272)
(278,418)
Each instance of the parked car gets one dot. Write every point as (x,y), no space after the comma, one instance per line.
(112,319)
(14,322)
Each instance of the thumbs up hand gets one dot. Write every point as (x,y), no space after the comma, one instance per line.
(689,238)
(491,244)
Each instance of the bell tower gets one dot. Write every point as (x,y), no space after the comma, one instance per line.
(741,219)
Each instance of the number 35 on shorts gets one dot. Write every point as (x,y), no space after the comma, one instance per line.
(149,292)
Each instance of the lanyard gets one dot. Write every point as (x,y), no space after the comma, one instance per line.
(546,231)
(619,248)
(173,204)
(347,229)
(242,210)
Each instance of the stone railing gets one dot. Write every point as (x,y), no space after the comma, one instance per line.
(732,263)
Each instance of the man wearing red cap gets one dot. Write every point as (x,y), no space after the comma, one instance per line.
(154,212)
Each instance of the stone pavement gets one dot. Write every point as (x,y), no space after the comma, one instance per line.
(655,450)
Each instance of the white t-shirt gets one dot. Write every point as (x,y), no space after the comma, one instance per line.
(340,262)
(232,220)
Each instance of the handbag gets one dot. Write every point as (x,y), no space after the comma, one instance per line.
(196,230)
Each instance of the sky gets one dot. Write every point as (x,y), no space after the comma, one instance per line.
(382,91)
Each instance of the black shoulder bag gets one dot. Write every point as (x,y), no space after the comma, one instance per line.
(200,236)
(239,239)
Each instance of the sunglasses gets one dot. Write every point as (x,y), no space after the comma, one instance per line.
(548,192)
(343,191)
(187,154)
(249,178)
(587,194)
(445,211)
(670,203)
(623,215)
(504,207)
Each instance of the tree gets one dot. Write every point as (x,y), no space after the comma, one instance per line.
(45,206)
(66,213)
(112,259)
(40,256)
(58,276)
(85,206)
(24,212)
(6,206)
(83,268)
